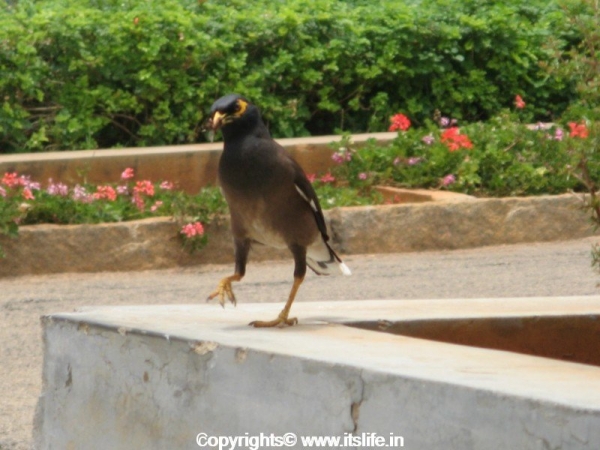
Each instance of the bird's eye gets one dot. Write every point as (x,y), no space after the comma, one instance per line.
(240,107)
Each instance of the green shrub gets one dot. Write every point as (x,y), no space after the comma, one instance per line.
(104,73)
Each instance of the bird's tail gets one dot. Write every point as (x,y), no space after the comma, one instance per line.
(321,258)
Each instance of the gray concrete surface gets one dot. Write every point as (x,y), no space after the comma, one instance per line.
(154,377)
(550,269)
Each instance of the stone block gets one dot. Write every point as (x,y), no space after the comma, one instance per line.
(156,376)
(464,224)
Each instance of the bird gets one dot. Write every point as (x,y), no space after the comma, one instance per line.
(271,202)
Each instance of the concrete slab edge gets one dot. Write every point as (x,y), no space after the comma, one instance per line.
(154,243)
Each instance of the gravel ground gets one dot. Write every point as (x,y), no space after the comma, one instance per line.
(550,269)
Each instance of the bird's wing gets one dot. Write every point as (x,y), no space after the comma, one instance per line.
(321,258)
(307,192)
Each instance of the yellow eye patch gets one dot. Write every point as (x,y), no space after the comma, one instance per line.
(242,106)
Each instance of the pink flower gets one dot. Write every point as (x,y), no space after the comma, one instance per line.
(122,190)
(192,229)
(57,188)
(311,177)
(81,195)
(25,181)
(429,139)
(338,158)
(399,122)
(414,160)
(327,178)
(27,195)
(558,134)
(156,205)
(127,174)
(342,156)
(362,176)
(519,103)
(2,192)
(166,185)
(578,130)
(448,180)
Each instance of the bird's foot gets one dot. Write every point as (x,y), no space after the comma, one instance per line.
(224,289)
(280,322)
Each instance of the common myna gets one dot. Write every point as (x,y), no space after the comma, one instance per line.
(270,200)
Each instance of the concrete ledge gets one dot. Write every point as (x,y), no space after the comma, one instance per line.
(154,243)
(156,376)
(191,167)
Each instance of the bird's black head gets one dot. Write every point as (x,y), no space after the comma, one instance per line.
(230,109)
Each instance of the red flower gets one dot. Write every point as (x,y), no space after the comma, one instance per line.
(10,179)
(519,103)
(141,188)
(27,195)
(105,192)
(454,140)
(399,122)
(327,178)
(144,187)
(578,130)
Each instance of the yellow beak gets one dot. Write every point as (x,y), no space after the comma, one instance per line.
(217,120)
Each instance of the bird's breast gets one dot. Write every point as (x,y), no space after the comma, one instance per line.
(247,167)
(264,233)
(251,219)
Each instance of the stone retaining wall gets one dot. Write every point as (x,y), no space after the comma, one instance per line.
(154,243)
(191,167)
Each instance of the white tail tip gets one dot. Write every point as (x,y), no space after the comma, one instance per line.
(345,269)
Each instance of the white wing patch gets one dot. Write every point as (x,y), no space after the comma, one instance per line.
(304,196)
(345,269)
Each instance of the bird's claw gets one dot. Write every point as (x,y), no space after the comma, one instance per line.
(280,322)
(223,290)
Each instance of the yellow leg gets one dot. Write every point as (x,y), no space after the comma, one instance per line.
(282,319)
(224,289)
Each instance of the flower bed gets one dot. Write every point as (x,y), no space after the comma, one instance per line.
(24,201)
(502,157)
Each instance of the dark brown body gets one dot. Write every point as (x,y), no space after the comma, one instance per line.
(270,200)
